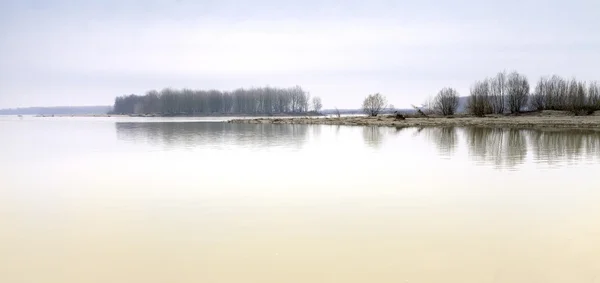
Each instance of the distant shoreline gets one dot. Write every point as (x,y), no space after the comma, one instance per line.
(545,119)
(287,115)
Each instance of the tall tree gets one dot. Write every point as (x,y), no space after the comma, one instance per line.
(479,102)
(517,91)
(498,88)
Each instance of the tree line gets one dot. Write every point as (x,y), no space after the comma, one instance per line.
(264,100)
(511,93)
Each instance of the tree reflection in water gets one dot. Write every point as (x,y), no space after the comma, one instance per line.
(213,135)
(555,146)
(501,148)
(508,148)
(444,138)
(373,136)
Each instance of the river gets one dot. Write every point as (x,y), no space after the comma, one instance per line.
(182,200)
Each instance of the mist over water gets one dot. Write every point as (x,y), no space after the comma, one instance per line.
(172,200)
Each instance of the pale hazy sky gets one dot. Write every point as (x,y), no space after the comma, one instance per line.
(77,52)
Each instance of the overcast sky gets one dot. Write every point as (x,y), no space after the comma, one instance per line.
(63,52)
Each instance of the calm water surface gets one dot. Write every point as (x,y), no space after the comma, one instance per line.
(176,200)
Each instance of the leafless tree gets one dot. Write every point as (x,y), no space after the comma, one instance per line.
(556,93)
(316,104)
(479,101)
(374,104)
(517,91)
(337,113)
(497,96)
(577,97)
(538,100)
(446,101)
(594,95)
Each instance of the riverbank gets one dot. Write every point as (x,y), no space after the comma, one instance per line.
(546,119)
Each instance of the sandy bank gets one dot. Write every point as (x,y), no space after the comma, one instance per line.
(538,120)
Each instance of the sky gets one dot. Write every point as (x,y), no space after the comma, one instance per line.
(77,52)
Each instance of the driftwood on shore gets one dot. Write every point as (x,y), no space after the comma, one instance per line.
(399,116)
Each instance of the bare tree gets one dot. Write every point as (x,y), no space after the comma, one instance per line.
(594,96)
(517,91)
(337,113)
(306,102)
(538,100)
(446,101)
(497,95)
(374,104)
(577,97)
(316,104)
(556,93)
(479,101)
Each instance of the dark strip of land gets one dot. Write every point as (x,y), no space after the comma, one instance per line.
(545,119)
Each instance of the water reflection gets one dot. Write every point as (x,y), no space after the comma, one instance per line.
(373,136)
(508,148)
(214,135)
(500,147)
(445,139)
(553,146)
